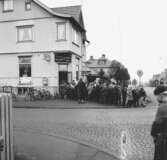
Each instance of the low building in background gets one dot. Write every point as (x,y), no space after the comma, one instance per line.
(95,66)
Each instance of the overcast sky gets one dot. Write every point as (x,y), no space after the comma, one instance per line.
(131,31)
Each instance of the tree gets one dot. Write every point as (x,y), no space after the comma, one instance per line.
(114,67)
(118,71)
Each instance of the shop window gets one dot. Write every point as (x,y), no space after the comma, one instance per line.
(25,66)
(25,33)
(28,5)
(8,5)
(61,31)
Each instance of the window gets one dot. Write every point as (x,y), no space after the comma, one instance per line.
(61,31)
(28,5)
(75,36)
(77,68)
(101,62)
(24,33)
(25,66)
(8,5)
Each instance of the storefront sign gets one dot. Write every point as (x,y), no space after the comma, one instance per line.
(63,57)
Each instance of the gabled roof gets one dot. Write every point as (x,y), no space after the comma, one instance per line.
(72,13)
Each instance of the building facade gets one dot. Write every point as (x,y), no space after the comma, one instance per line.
(40,46)
(94,66)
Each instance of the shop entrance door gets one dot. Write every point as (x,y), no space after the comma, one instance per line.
(63,77)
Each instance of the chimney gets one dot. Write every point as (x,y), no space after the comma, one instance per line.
(103,56)
(91,57)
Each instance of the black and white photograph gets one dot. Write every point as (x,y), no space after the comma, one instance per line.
(83,80)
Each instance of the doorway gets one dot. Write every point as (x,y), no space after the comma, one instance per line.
(63,76)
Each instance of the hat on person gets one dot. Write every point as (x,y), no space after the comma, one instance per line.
(161,81)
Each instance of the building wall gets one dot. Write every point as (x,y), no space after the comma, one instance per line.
(44,29)
(19,12)
(44,41)
(44,36)
(39,68)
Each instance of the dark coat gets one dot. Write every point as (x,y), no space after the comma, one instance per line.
(159,133)
(159,89)
(81,90)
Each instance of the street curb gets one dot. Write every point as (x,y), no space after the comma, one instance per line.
(39,107)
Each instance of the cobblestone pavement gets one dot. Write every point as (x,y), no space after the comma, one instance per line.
(98,128)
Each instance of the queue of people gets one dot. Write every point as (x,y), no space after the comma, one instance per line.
(109,93)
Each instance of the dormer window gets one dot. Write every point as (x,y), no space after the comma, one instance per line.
(8,5)
(28,5)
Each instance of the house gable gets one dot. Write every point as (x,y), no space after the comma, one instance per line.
(20,13)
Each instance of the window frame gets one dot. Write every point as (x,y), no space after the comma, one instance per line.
(23,27)
(77,59)
(28,2)
(75,37)
(25,63)
(8,10)
(65,32)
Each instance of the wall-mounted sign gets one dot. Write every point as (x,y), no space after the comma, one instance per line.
(47,57)
(45,81)
(63,57)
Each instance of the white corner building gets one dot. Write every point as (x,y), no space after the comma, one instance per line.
(40,47)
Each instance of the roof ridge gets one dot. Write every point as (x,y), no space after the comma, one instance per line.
(49,9)
(67,6)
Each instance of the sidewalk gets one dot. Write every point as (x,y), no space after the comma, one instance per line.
(60,104)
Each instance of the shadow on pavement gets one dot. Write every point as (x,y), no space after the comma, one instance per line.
(31,146)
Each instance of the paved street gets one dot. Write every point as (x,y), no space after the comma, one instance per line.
(37,146)
(98,128)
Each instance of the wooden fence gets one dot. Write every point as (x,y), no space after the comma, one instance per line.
(6,127)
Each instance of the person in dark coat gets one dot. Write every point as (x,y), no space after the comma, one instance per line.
(159,126)
(81,91)
(124,93)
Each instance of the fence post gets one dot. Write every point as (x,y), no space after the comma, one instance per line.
(6,127)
